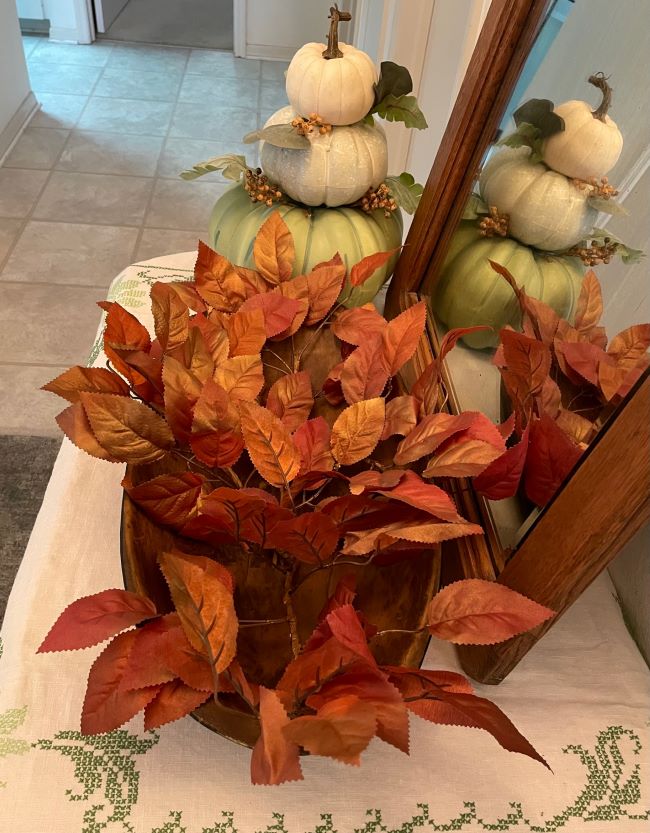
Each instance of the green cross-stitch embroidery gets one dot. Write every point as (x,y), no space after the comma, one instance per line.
(10,720)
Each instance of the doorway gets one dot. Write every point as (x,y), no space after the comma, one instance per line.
(196,23)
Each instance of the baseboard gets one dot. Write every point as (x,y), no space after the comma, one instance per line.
(18,122)
(270,53)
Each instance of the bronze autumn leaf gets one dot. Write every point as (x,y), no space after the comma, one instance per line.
(246,332)
(123,329)
(402,335)
(217,280)
(275,758)
(279,311)
(431,431)
(589,308)
(364,373)
(290,398)
(74,424)
(129,431)
(216,436)
(171,316)
(182,391)
(273,250)
(242,377)
(214,338)
(202,593)
(312,440)
(269,445)
(69,384)
(630,346)
(311,538)
(462,458)
(324,284)
(357,430)
(401,416)
(355,325)
(169,499)
(295,290)
(528,362)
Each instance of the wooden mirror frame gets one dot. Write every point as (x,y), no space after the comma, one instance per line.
(581,530)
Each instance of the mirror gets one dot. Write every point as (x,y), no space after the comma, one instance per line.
(545,185)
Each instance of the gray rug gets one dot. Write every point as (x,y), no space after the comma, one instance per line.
(25,468)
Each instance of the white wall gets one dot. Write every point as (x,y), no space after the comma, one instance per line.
(69,19)
(16,99)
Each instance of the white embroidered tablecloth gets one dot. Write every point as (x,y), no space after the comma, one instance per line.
(582,697)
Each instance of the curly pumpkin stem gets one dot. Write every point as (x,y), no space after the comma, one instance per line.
(599,80)
(335,16)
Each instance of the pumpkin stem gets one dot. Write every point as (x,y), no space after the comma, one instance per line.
(335,16)
(600,81)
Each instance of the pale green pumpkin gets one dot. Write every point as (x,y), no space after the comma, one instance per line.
(318,233)
(471,293)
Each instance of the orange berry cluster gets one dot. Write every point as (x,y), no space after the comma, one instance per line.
(494,224)
(593,254)
(379,198)
(314,122)
(597,189)
(260,189)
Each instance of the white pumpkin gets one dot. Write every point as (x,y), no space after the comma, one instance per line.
(340,90)
(545,210)
(336,169)
(591,143)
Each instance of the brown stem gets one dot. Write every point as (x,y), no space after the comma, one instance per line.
(600,81)
(291,614)
(335,16)
(256,623)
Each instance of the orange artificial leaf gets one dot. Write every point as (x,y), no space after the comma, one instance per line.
(212,344)
(201,590)
(75,425)
(367,267)
(550,397)
(123,329)
(332,389)
(186,291)
(551,456)
(630,346)
(502,477)
(412,490)
(462,458)
(147,665)
(70,383)
(107,705)
(617,380)
(294,290)
(181,393)
(183,661)
(589,308)
(324,284)
(217,280)
(170,315)
(401,416)
(577,427)
(279,311)
(241,513)
(173,701)
(275,759)
(216,437)
(130,431)
(528,362)
(477,612)
(246,332)
(432,431)
(426,532)
(269,445)
(364,373)
(291,400)
(169,499)
(357,430)
(310,538)
(273,250)
(582,357)
(242,377)
(355,325)
(254,283)
(312,439)
(340,729)
(92,619)
(402,335)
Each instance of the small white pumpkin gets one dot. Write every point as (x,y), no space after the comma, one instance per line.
(591,143)
(340,90)
(336,169)
(545,210)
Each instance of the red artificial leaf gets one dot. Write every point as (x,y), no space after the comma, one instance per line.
(312,439)
(357,430)
(401,416)
(477,612)
(173,701)
(170,315)
(354,326)
(419,682)
(169,499)
(402,335)
(324,284)
(184,662)
(273,250)
(310,538)
(216,437)
(540,320)
(275,758)
(364,373)
(340,729)
(238,512)
(332,389)
(147,665)
(355,512)
(550,397)
(502,477)
(372,479)
(427,497)
(506,428)
(92,619)
(217,280)
(271,449)
(582,357)
(72,382)
(75,425)
(462,457)
(589,308)
(279,312)
(367,267)
(420,532)
(290,398)
(551,456)
(246,332)
(107,706)
(431,432)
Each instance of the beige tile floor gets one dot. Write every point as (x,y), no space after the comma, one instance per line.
(92,185)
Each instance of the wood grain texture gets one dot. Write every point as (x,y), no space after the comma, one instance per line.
(594,515)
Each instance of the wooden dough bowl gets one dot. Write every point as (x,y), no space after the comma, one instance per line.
(390,596)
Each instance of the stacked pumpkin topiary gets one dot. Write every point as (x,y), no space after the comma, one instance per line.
(535,212)
(324,164)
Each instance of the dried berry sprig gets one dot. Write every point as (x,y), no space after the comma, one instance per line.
(259,189)
(305,126)
(495,224)
(600,189)
(376,198)
(595,253)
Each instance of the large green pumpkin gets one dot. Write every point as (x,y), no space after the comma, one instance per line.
(318,233)
(471,293)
